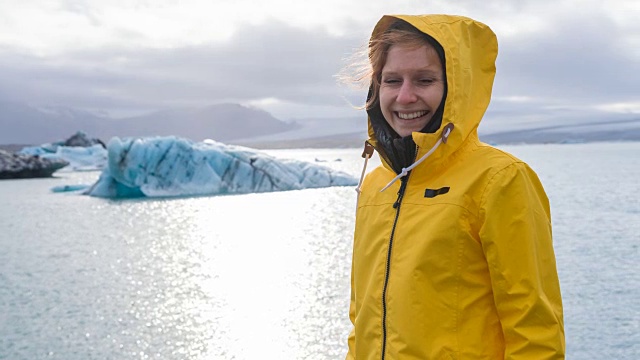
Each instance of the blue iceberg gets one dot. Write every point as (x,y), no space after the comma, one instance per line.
(79,158)
(79,150)
(171,167)
(68,188)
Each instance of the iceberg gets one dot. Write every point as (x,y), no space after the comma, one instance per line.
(21,166)
(81,152)
(79,158)
(68,188)
(172,167)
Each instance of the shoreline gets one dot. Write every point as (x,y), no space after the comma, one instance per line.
(332,142)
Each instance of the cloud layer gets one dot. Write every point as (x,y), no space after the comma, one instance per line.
(553,54)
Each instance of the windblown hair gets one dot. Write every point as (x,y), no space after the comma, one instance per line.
(369,72)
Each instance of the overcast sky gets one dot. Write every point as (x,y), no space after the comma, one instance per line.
(123,56)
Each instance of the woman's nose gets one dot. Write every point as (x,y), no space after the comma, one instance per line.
(406,93)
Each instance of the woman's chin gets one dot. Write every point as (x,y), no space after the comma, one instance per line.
(406,131)
(406,127)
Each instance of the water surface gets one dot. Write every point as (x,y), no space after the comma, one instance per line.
(266,276)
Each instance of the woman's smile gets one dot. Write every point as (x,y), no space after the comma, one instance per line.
(411,115)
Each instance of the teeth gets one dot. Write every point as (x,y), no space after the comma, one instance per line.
(411,116)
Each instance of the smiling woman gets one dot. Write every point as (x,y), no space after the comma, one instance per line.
(456,259)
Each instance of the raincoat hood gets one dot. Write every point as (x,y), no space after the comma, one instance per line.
(470,50)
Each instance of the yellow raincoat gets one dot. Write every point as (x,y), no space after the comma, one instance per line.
(460,263)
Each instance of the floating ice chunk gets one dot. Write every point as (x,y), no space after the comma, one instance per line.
(171,166)
(69,188)
(22,166)
(79,158)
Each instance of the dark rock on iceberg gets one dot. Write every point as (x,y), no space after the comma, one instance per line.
(81,139)
(20,166)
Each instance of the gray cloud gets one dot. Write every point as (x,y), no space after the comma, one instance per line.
(570,63)
(272,60)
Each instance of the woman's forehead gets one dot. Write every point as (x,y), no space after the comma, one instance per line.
(417,58)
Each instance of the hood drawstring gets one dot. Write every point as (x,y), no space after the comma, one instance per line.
(366,154)
(443,139)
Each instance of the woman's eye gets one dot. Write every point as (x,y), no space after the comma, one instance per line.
(426,81)
(391,81)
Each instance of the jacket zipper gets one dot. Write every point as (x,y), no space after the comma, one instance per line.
(396,205)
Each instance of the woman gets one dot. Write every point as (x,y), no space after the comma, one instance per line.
(453,256)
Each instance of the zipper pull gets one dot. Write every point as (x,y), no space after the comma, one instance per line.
(403,186)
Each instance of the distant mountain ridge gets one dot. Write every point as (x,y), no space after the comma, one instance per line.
(25,124)
(21,124)
(626,129)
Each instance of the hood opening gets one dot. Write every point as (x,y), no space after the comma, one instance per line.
(400,152)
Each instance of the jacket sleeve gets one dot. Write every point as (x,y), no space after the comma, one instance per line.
(515,232)
(351,354)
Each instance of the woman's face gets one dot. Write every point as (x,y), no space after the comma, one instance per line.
(411,87)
